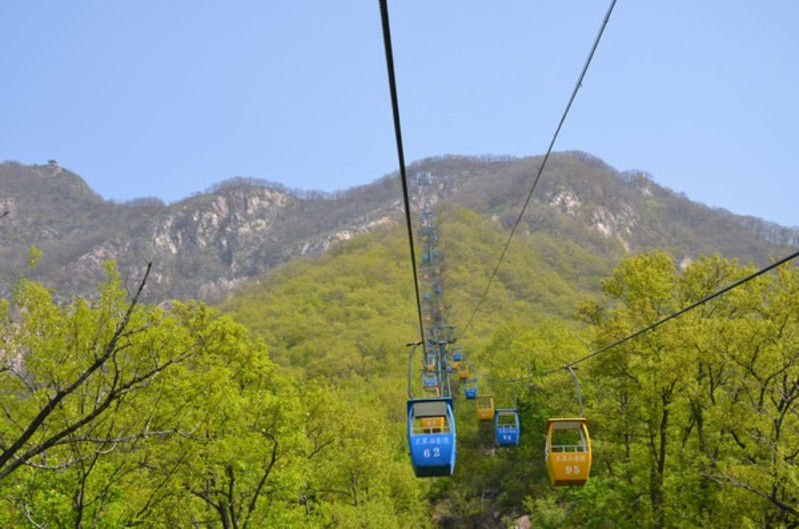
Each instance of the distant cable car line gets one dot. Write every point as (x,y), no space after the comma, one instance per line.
(384,16)
(430,422)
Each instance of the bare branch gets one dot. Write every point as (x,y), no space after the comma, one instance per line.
(264,477)
(725,478)
(29,516)
(62,466)
(109,399)
(152,500)
(36,423)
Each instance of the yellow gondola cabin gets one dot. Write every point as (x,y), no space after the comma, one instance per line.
(568,451)
(485,407)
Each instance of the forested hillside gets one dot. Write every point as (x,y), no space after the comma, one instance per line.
(694,424)
(285,405)
(118,414)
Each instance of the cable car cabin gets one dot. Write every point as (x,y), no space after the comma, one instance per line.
(457,358)
(568,451)
(430,362)
(470,388)
(430,382)
(463,371)
(431,436)
(432,391)
(457,353)
(485,407)
(506,424)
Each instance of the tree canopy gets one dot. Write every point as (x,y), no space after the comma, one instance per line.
(286,407)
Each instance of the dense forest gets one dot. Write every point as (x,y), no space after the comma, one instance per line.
(285,405)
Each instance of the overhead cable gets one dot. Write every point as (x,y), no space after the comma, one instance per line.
(543,164)
(392,84)
(639,332)
(680,312)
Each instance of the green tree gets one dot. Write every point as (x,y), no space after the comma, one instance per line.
(701,412)
(82,392)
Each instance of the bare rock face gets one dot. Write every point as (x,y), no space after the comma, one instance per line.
(201,247)
(212,242)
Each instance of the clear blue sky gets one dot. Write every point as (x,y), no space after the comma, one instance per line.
(165,98)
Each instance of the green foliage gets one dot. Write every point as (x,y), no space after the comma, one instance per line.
(117,414)
(535,282)
(697,420)
(693,424)
(289,411)
(654,465)
(339,317)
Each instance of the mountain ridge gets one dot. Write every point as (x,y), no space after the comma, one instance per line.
(210,243)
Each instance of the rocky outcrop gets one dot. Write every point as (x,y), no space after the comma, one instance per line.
(203,246)
(211,243)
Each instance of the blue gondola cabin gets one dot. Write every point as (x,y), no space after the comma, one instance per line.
(457,354)
(506,424)
(431,436)
(430,382)
(470,389)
